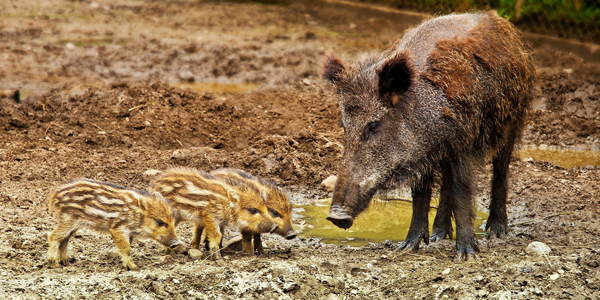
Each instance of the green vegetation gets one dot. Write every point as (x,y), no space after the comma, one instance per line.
(566,18)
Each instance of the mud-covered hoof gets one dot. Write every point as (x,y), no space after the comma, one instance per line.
(497,229)
(412,243)
(461,256)
(129,265)
(439,234)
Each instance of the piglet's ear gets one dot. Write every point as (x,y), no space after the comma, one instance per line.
(333,68)
(394,78)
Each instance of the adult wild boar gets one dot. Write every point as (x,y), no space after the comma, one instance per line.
(452,92)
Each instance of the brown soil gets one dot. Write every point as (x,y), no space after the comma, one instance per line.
(100,99)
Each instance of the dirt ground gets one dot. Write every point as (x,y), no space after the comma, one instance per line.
(100,97)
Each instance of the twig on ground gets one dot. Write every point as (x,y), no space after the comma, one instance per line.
(538,219)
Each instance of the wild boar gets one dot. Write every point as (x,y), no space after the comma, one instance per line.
(278,204)
(103,206)
(213,203)
(452,92)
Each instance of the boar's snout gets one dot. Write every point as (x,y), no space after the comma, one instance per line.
(175,243)
(339,217)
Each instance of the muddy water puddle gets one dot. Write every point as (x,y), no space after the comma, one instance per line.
(218,87)
(561,156)
(383,220)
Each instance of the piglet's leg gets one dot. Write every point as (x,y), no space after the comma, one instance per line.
(214,236)
(247,242)
(122,242)
(59,241)
(198,228)
(258,247)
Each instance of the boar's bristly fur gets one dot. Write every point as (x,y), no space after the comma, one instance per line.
(213,203)
(453,92)
(103,206)
(278,204)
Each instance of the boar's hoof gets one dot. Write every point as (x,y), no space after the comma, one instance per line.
(410,245)
(291,235)
(460,256)
(497,229)
(344,222)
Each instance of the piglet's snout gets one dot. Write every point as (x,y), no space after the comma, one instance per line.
(175,243)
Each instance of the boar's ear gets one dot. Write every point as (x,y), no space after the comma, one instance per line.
(394,78)
(234,198)
(333,68)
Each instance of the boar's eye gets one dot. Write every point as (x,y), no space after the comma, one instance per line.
(160,223)
(253,210)
(275,214)
(372,129)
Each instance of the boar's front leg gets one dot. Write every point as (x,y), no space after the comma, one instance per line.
(457,192)
(419,224)
(124,247)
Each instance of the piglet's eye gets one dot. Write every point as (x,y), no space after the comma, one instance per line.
(160,223)
(275,214)
(253,210)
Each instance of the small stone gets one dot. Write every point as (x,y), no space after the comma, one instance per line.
(195,253)
(187,76)
(306,81)
(151,173)
(554,276)
(70,46)
(446,272)
(538,248)
(113,255)
(561,271)
(568,71)
(176,281)
(289,286)
(329,183)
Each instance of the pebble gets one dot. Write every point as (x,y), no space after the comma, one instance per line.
(70,46)
(113,255)
(446,272)
(195,253)
(554,276)
(538,248)
(186,76)
(329,183)
(306,81)
(151,172)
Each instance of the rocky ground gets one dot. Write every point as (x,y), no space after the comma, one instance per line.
(102,96)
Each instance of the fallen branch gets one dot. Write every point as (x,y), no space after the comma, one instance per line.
(404,200)
(538,219)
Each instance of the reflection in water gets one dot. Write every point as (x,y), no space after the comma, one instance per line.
(217,87)
(383,220)
(566,158)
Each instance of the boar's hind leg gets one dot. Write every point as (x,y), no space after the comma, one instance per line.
(457,192)
(214,238)
(497,222)
(442,224)
(198,228)
(419,225)
(59,241)
(124,247)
